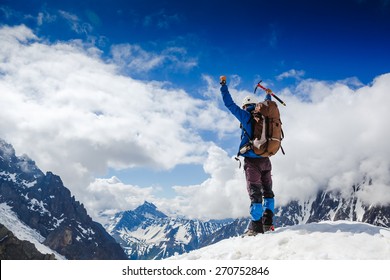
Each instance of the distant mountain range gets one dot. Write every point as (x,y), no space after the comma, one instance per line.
(38,210)
(147,233)
(334,206)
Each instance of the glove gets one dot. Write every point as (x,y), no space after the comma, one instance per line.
(222,80)
(269,93)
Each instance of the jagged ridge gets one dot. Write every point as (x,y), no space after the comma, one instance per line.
(147,233)
(42,202)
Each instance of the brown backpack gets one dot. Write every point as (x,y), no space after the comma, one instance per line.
(267,129)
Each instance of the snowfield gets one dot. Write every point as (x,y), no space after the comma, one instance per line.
(23,232)
(341,240)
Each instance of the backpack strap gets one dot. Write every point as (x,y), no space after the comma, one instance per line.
(245,148)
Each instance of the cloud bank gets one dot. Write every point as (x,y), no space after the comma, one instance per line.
(76,115)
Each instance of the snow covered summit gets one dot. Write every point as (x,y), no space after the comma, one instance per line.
(341,240)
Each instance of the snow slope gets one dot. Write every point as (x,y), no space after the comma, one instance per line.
(341,240)
(23,232)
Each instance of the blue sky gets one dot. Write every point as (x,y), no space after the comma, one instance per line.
(329,40)
(170,54)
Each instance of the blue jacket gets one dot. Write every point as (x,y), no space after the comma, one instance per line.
(244,117)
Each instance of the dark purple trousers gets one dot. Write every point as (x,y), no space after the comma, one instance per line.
(258,178)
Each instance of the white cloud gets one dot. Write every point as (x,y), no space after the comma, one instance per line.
(161,20)
(75,23)
(109,196)
(14,35)
(75,115)
(292,73)
(45,17)
(222,195)
(136,59)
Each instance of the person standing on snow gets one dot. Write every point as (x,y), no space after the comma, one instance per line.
(257,169)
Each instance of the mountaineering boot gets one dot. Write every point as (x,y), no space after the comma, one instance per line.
(268,228)
(268,221)
(255,227)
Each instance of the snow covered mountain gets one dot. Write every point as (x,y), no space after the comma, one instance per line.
(342,240)
(37,207)
(147,233)
(334,206)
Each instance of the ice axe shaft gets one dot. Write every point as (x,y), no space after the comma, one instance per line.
(269,91)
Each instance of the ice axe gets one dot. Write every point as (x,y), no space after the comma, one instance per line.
(269,91)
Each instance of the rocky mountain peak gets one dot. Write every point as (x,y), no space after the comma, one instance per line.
(22,169)
(42,202)
(149,210)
